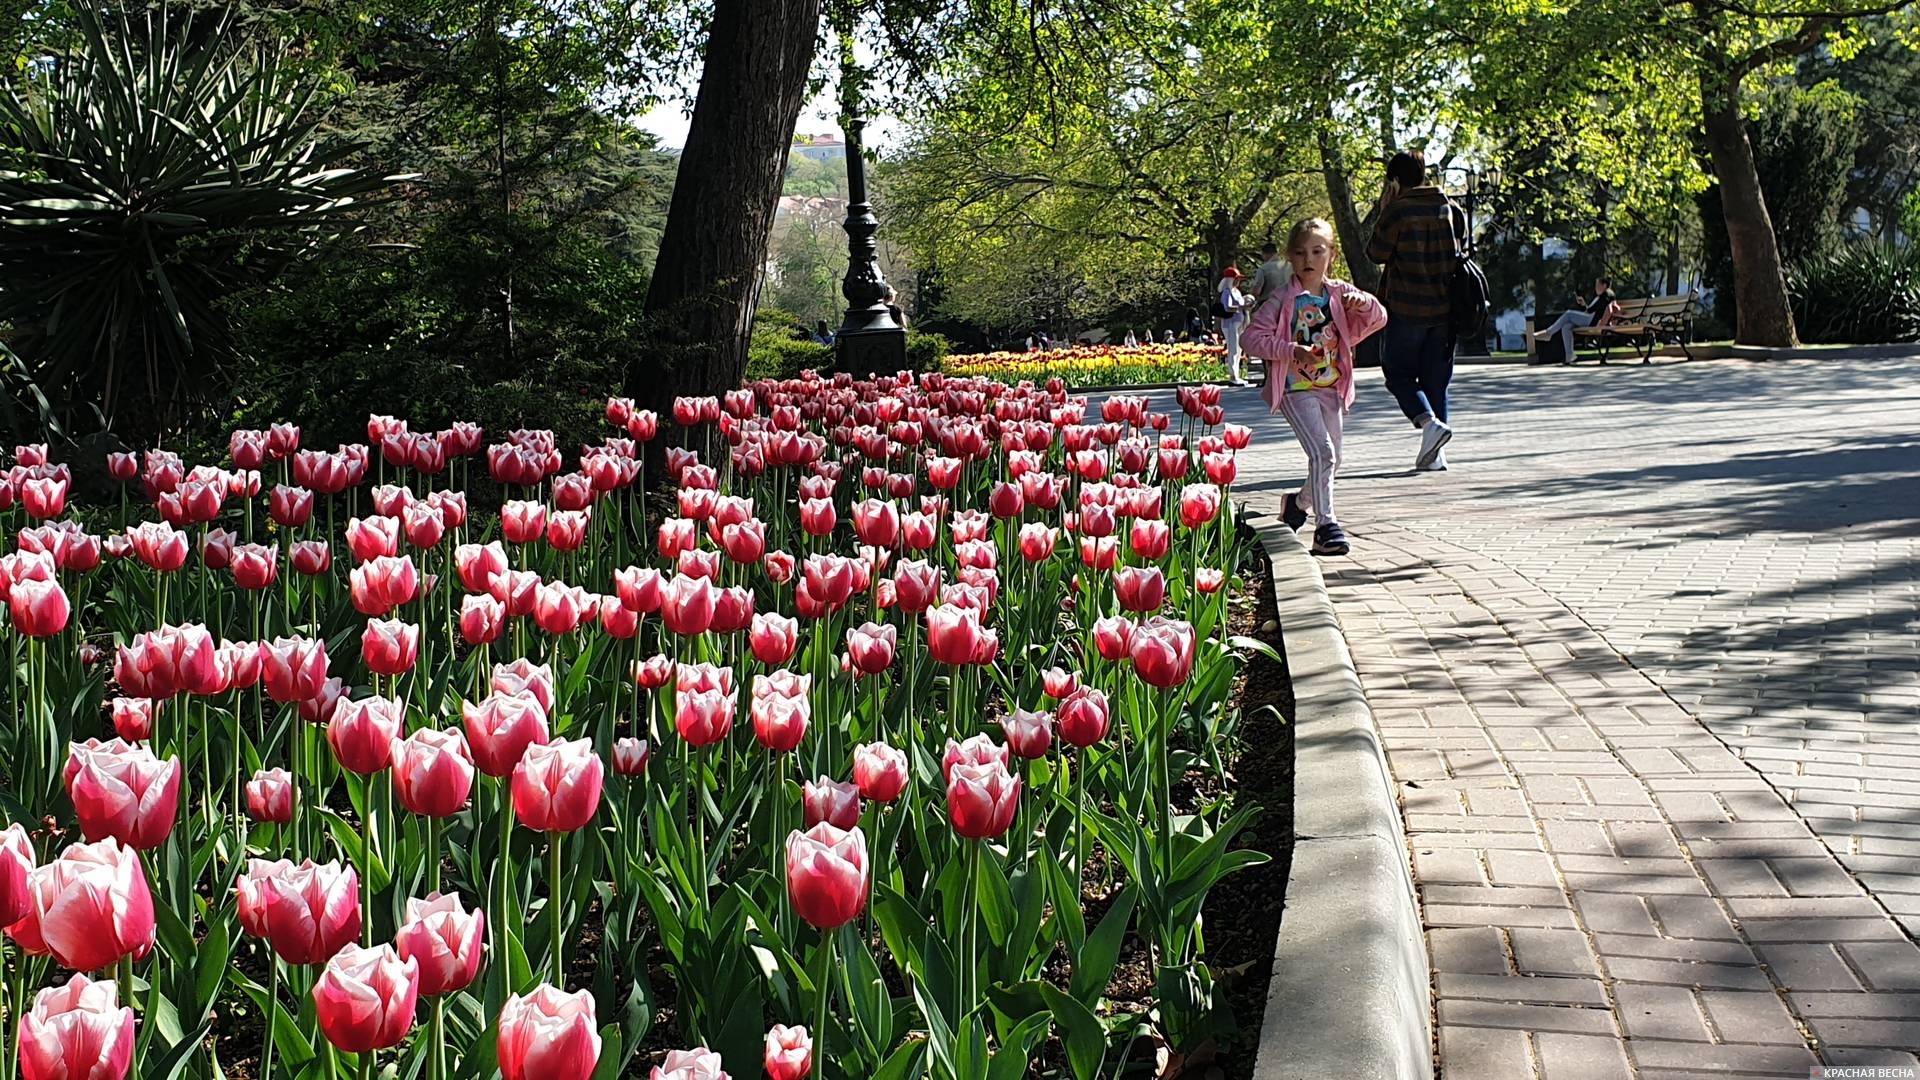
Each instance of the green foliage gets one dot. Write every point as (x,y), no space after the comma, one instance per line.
(147,173)
(1863,293)
(780,348)
(926,351)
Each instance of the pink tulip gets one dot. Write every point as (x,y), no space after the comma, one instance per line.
(1208,580)
(1140,588)
(441,936)
(1083,717)
(16,862)
(293,669)
(479,565)
(319,708)
(556,608)
(876,522)
(567,529)
(744,542)
(127,794)
(133,718)
(482,619)
(675,536)
(1162,651)
(79,1031)
(829,578)
(639,589)
(870,647)
(779,721)
(40,609)
(372,538)
(500,728)
(981,799)
(953,634)
(270,796)
(703,712)
(365,998)
(528,679)
(687,605)
(122,467)
(919,531)
(88,908)
(976,750)
(879,771)
(1150,538)
(432,772)
(309,912)
(1037,541)
(1112,636)
(1029,734)
(362,732)
(556,786)
(789,1053)
(1057,682)
(290,507)
(389,646)
(44,497)
(159,545)
(310,557)
(773,637)
(382,584)
(251,893)
(780,566)
(653,673)
(1199,504)
(548,1035)
(827,873)
(829,800)
(630,757)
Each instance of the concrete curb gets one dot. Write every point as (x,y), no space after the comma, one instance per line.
(1351,994)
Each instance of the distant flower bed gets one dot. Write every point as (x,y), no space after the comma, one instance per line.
(1098,365)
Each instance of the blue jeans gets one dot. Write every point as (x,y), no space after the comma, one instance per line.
(1417,359)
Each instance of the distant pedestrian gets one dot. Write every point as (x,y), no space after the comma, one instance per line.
(893,308)
(1231,307)
(1273,274)
(1166,337)
(1307,332)
(822,335)
(1196,327)
(1419,237)
(1130,341)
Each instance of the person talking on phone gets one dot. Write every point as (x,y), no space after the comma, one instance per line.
(1417,238)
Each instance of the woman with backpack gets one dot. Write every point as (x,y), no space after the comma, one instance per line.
(1419,237)
(1230,306)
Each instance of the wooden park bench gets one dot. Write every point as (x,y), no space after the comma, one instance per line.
(1642,325)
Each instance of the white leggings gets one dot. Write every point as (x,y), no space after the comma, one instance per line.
(1230,333)
(1317,417)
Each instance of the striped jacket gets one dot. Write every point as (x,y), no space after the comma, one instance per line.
(1418,239)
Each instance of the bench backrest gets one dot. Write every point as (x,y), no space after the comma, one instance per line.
(1656,307)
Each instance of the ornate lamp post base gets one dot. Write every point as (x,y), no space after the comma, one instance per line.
(870,341)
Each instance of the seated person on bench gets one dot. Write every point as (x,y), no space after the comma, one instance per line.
(1599,312)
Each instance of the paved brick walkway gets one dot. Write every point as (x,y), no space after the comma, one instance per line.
(1647,666)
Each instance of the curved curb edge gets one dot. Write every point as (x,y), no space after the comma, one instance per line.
(1351,995)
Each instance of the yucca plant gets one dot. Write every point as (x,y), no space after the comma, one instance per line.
(149,166)
(1861,293)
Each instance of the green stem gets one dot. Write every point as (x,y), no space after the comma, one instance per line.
(823,990)
(554,903)
(273,1006)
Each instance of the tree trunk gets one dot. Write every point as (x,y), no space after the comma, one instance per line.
(1759,284)
(1346,217)
(700,302)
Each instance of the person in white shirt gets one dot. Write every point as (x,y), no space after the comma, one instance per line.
(1130,341)
(1235,304)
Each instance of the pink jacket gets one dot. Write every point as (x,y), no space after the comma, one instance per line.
(1270,335)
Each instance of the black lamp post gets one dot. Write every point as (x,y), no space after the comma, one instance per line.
(870,340)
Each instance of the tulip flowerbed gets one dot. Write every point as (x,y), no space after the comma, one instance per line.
(1098,365)
(314,770)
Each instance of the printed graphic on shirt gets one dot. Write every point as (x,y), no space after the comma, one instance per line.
(1313,327)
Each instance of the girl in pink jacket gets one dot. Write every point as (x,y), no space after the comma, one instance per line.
(1306,332)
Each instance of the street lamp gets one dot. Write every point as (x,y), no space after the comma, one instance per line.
(870,341)
(1479,185)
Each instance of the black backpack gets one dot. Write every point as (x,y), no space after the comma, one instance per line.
(1468,300)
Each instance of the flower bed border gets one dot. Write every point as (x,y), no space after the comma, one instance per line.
(1351,993)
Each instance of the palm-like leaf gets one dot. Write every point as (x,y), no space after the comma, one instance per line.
(149,171)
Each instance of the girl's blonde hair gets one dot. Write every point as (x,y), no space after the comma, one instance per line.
(1312,226)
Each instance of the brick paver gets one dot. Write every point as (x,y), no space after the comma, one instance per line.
(1646,664)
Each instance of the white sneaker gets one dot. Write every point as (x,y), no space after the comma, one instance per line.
(1433,438)
(1438,464)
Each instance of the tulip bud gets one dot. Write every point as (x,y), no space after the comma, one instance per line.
(482,619)
(880,771)
(444,939)
(362,733)
(630,757)
(1029,734)
(270,796)
(78,1031)
(981,799)
(1162,651)
(789,1053)
(827,874)
(549,1035)
(124,792)
(88,908)
(432,772)
(556,786)
(365,998)
(828,800)
(389,646)
(16,862)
